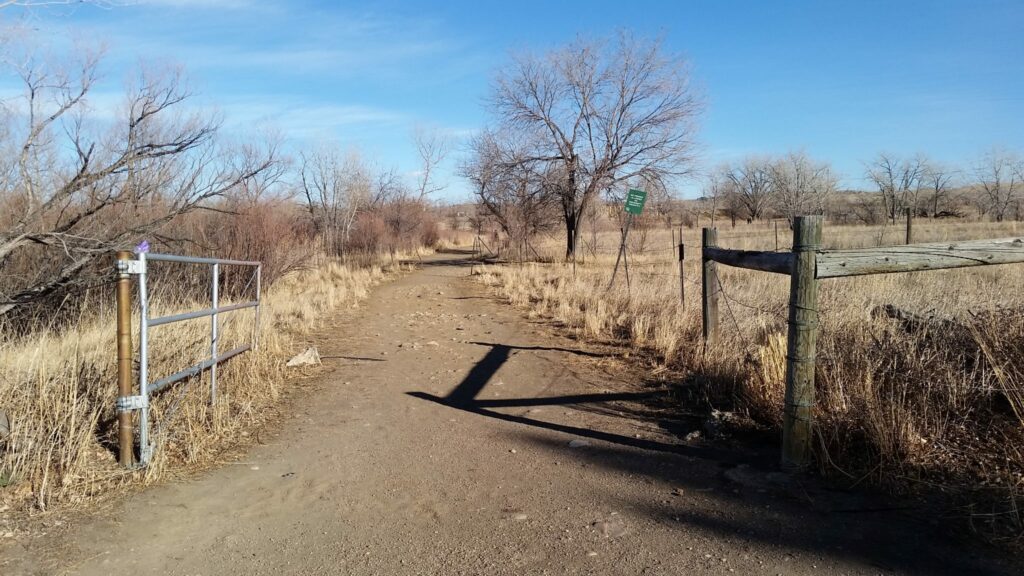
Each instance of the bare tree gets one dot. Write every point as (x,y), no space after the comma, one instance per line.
(336,188)
(752,185)
(404,212)
(938,182)
(801,185)
(599,113)
(76,192)
(999,178)
(510,189)
(432,147)
(716,188)
(899,181)
(273,180)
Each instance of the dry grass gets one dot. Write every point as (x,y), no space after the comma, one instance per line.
(898,405)
(59,390)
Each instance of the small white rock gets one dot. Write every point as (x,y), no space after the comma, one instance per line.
(307,357)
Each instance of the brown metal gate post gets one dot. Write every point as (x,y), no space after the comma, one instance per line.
(910,226)
(802,339)
(709,281)
(124,360)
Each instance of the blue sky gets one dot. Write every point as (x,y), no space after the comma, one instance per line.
(840,80)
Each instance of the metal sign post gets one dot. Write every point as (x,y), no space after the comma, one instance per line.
(635,201)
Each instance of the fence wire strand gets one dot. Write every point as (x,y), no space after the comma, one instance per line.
(728,307)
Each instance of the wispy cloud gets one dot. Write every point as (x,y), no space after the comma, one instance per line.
(279,40)
(303,120)
(313,71)
(201,4)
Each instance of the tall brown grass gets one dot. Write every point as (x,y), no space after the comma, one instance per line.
(925,407)
(59,389)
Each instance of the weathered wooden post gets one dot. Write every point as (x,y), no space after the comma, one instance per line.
(124,358)
(802,341)
(709,281)
(910,226)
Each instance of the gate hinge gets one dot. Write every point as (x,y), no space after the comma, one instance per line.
(131,266)
(127,403)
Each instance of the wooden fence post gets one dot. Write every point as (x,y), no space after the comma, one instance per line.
(910,226)
(802,341)
(709,281)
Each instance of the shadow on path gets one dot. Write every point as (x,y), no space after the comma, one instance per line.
(464,397)
(796,516)
(881,537)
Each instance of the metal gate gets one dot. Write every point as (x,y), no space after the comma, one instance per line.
(127,403)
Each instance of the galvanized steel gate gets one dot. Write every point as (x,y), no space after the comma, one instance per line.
(127,403)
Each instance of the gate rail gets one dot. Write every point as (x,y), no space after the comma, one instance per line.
(126,402)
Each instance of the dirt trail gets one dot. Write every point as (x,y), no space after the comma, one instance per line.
(451,436)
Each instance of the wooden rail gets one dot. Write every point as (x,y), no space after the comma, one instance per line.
(807,264)
(777,262)
(917,257)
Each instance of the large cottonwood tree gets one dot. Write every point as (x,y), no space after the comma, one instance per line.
(599,113)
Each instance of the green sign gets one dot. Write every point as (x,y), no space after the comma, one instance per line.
(635,201)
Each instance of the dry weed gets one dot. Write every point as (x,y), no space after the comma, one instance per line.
(937,403)
(59,390)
